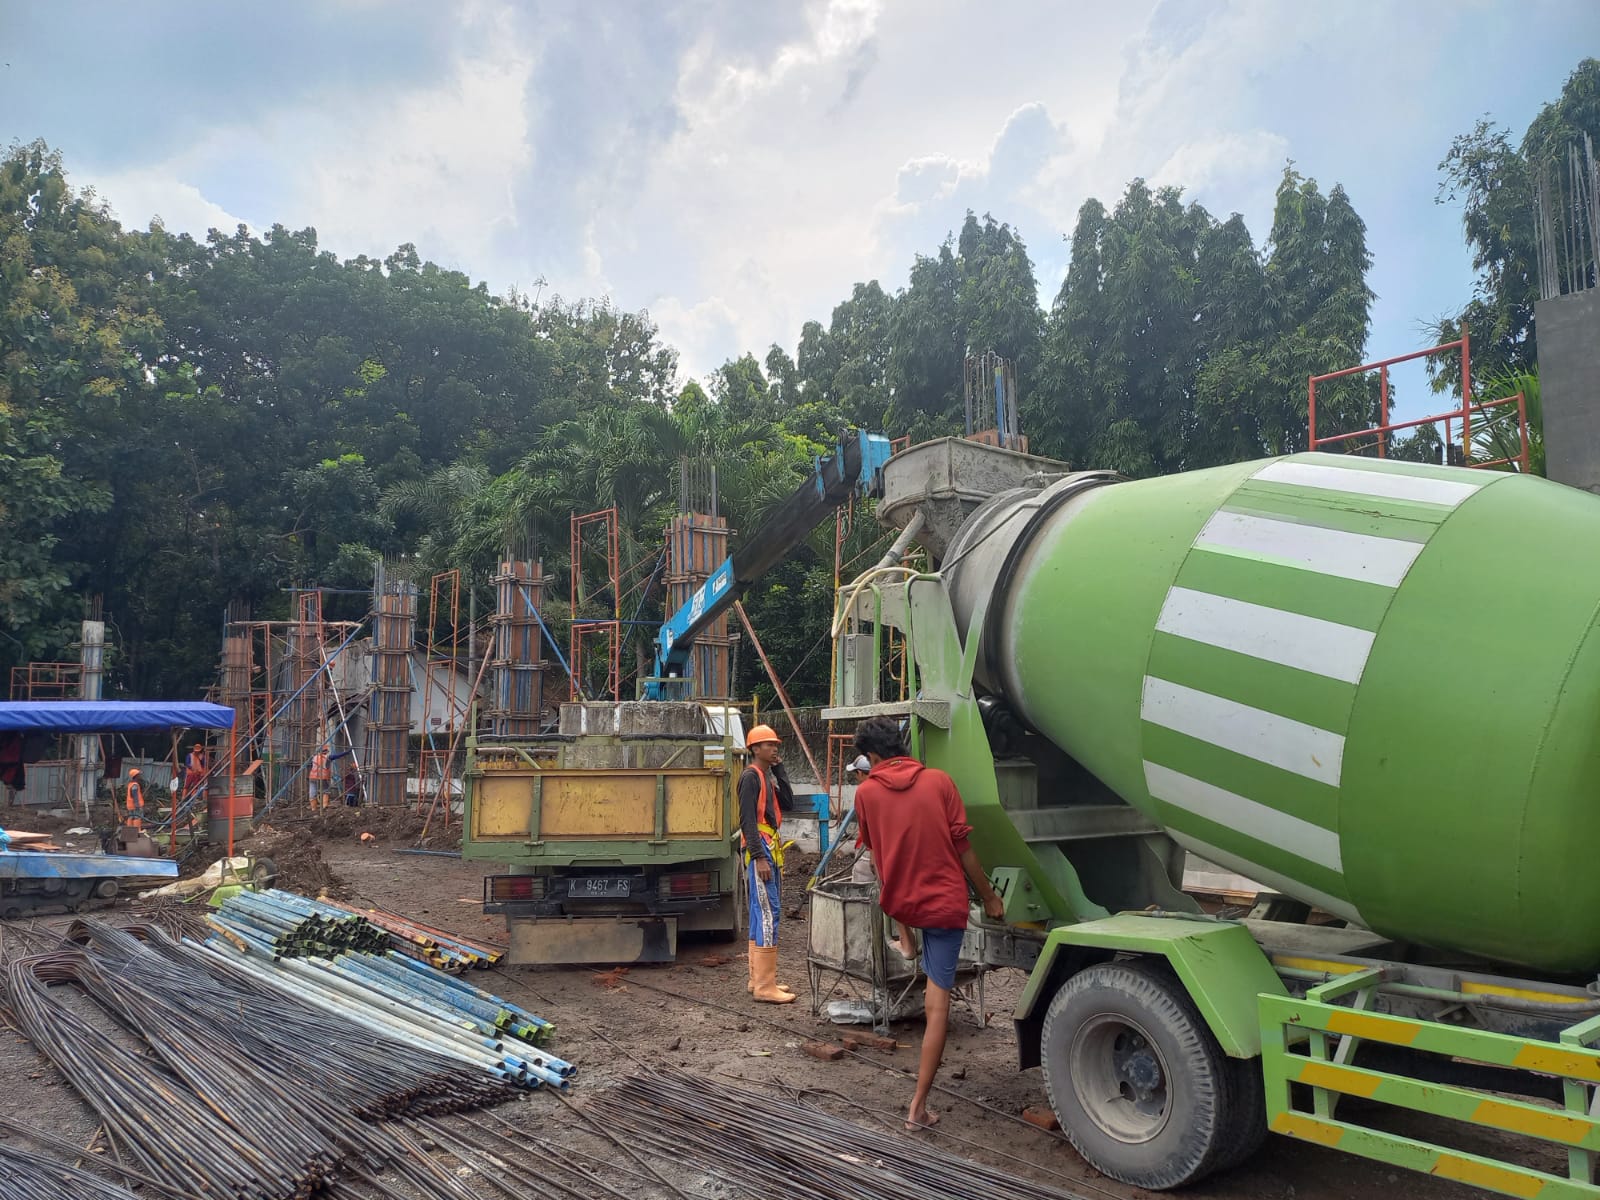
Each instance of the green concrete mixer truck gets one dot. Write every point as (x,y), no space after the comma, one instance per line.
(1371,687)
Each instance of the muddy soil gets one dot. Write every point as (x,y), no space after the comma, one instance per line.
(696,1014)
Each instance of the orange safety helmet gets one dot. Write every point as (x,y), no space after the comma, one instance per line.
(134,773)
(760,734)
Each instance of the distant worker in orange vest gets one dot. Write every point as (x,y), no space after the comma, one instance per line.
(195,782)
(760,816)
(135,800)
(319,776)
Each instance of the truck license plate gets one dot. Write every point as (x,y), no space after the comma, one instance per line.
(602,887)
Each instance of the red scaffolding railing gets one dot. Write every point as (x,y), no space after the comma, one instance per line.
(607,632)
(47,681)
(1488,412)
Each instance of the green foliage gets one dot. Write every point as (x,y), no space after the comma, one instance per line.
(1492,178)
(1174,344)
(187,423)
(1497,429)
(978,293)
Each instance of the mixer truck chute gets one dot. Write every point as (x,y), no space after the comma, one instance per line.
(1371,687)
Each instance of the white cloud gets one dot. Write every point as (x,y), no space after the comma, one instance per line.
(140,195)
(437,166)
(749,200)
(735,168)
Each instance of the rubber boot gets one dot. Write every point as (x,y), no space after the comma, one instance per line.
(766,968)
(750,984)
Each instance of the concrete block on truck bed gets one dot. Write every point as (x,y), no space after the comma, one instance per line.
(644,753)
(632,718)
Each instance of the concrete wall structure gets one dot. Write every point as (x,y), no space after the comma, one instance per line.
(1569,387)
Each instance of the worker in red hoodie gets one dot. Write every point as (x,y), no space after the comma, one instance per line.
(912,819)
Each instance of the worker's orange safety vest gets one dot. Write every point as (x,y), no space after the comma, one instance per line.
(319,767)
(769,833)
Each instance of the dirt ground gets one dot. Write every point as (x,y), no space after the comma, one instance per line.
(696,1014)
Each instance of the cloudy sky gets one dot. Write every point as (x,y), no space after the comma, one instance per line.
(734,166)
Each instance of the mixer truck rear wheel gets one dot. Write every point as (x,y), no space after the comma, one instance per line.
(1141,1087)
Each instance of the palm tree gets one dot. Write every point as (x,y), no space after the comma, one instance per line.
(1496,431)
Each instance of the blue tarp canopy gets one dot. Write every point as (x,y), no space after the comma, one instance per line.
(110,716)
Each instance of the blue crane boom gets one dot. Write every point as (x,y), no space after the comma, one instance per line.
(855,467)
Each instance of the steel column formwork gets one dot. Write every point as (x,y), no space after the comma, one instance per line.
(697,543)
(389,723)
(231,796)
(518,705)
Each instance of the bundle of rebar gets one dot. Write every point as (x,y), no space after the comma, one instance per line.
(291,926)
(28,1176)
(230,1088)
(446,951)
(51,1158)
(687,1118)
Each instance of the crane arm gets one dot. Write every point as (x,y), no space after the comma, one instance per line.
(855,467)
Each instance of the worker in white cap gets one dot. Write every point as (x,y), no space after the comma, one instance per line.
(861,870)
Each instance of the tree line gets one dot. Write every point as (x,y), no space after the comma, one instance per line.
(187,423)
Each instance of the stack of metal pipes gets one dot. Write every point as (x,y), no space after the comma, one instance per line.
(433,946)
(284,924)
(401,998)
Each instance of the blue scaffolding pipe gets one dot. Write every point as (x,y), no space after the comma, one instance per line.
(545,629)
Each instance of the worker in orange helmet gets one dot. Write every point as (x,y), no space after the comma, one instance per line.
(320,778)
(135,799)
(760,816)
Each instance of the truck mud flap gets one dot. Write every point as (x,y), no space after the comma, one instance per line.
(558,941)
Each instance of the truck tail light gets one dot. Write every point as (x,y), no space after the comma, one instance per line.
(695,884)
(515,887)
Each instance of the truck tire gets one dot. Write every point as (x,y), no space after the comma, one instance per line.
(1245,1113)
(1141,1087)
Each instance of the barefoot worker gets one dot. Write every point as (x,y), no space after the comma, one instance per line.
(912,819)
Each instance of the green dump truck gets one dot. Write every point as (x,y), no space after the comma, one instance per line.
(1373,688)
(616,833)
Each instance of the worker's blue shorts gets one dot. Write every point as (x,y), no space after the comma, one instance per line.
(766,902)
(941,950)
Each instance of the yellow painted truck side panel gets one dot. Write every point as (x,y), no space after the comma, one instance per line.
(599,805)
(502,806)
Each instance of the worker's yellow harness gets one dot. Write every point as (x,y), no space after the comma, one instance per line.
(769,834)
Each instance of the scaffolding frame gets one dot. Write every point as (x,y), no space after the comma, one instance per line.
(441,703)
(605,634)
(47,681)
(279,726)
(308,683)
